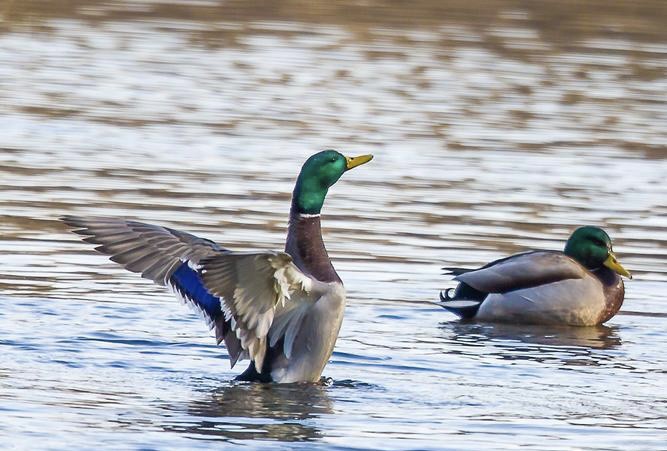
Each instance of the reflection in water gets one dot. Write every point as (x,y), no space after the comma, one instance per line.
(544,344)
(257,411)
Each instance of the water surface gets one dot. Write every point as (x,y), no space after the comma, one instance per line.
(497,127)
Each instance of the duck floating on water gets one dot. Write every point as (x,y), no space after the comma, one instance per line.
(282,310)
(580,286)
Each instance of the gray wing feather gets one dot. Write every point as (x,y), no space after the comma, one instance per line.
(256,288)
(286,324)
(155,252)
(151,250)
(523,271)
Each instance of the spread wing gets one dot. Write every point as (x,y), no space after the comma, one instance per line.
(154,251)
(521,271)
(265,294)
(165,256)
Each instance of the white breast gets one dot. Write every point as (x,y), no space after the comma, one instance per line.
(314,342)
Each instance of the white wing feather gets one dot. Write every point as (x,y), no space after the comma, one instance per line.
(264,293)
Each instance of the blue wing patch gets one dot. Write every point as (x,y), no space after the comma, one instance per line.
(188,284)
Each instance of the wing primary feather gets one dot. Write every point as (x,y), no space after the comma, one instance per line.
(159,253)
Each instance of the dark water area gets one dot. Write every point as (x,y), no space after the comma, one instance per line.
(497,126)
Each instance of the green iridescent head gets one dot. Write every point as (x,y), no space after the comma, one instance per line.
(319,173)
(591,246)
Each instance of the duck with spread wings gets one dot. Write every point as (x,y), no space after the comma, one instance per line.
(282,310)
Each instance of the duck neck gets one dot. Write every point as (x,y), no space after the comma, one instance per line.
(306,247)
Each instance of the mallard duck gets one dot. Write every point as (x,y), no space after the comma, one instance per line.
(579,286)
(282,310)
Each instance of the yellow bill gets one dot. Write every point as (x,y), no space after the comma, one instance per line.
(612,263)
(353,162)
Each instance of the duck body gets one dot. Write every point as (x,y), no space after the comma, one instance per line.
(320,318)
(281,310)
(539,287)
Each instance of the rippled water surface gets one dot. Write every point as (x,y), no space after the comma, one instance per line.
(497,126)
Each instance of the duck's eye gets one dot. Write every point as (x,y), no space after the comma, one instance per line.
(599,242)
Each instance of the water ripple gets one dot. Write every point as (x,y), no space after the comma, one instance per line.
(495,130)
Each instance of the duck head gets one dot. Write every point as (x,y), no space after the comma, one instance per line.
(591,246)
(319,173)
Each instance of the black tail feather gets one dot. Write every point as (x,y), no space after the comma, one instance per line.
(251,375)
(455,270)
(463,308)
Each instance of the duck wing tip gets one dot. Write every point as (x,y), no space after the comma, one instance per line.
(455,270)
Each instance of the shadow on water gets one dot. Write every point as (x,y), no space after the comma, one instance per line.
(256,411)
(578,346)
